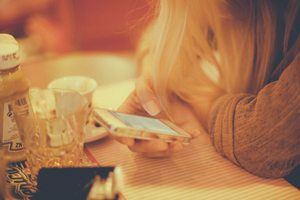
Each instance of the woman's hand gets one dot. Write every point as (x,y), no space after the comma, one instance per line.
(143,101)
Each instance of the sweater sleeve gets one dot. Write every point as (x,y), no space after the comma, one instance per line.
(261,133)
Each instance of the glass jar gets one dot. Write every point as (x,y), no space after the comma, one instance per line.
(14,87)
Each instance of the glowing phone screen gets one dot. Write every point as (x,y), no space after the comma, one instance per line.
(145,123)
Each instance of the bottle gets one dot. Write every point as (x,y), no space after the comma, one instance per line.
(14,87)
(2,176)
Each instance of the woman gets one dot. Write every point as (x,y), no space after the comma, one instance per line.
(231,67)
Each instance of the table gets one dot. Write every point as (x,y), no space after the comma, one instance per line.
(197,172)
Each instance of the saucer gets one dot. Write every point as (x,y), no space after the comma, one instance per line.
(93,131)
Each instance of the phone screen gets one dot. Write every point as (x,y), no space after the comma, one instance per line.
(145,123)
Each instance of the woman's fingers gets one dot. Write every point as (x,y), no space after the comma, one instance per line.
(172,148)
(175,146)
(147,97)
(125,140)
(184,117)
(131,104)
(156,148)
(144,146)
(151,148)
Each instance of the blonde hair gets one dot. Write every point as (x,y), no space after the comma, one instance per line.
(235,38)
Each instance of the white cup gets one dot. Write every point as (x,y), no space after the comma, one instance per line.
(82,84)
(85,86)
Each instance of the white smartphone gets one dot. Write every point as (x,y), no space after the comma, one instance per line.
(139,127)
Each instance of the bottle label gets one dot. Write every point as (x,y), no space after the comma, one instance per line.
(11,138)
(22,106)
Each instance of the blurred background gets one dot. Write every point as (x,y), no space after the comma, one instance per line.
(94,38)
(46,27)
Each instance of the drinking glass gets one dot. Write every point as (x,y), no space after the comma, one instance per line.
(52,131)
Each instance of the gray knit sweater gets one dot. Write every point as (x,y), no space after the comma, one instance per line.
(261,133)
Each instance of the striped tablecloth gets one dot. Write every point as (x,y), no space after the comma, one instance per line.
(197,172)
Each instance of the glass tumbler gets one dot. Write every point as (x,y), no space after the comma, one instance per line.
(52,131)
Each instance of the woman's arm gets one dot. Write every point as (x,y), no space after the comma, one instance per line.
(261,133)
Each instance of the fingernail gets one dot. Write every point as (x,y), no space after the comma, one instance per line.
(152,108)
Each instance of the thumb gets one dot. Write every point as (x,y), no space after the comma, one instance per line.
(147,97)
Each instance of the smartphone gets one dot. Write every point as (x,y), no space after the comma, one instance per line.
(79,183)
(139,127)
